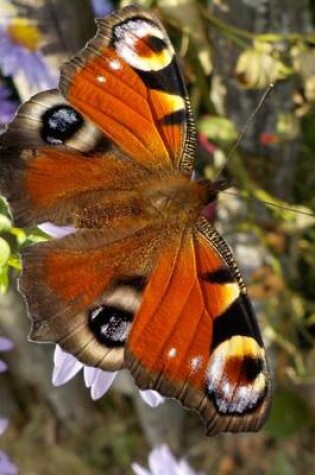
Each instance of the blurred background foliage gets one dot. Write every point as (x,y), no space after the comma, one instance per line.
(230,52)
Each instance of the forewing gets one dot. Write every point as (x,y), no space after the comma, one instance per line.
(127,81)
(51,157)
(195,336)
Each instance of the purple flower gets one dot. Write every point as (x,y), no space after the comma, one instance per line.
(6,466)
(7,107)
(66,366)
(19,52)
(5,345)
(162,461)
(102,8)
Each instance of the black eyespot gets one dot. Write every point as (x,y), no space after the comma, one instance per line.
(251,368)
(60,123)
(110,325)
(156,44)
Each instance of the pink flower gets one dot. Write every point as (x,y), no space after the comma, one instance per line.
(162,461)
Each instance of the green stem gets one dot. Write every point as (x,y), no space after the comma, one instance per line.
(226,28)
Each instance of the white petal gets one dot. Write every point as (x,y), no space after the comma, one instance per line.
(152,398)
(138,470)
(3,425)
(184,469)
(99,381)
(66,367)
(56,231)
(161,460)
(89,374)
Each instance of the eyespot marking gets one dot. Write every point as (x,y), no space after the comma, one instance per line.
(142,45)
(236,378)
(110,325)
(60,123)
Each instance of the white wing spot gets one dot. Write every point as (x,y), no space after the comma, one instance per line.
(114,64)
(195,362)
(101,79)
(172,353)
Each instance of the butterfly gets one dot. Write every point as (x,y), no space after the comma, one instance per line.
(145,282)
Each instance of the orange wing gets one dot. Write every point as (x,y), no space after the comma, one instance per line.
(127,81)
(83,290)
(51,157)
(195,337)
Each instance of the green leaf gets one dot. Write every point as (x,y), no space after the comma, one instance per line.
(218,129)
(5,252)
(289,414)
(4,279)
(5,223)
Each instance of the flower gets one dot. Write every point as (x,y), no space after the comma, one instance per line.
(5,345)
(20,52)
(162,461)
(6,466)
(66,366)
(102,8)
(260,65)
(7,107)
(57,232)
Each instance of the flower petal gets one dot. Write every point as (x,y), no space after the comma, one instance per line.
(56,231)
(102,7)
(5,344)
(152,398)
(3,425)
(98,381)
(6,466)
(139,470)
(161,460)
(184,469)
(3,368)
(66,367)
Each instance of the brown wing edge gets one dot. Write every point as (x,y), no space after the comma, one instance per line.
(190,398)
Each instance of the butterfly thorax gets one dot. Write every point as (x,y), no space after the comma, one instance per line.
(175,200)
(171,200)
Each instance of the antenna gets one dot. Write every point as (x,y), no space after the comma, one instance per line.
(263,98)
(270,203)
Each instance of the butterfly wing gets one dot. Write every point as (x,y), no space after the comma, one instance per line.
(127,81)
(83,290)
(52,157)
(195,336)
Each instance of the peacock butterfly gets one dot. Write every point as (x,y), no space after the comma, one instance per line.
(145,282)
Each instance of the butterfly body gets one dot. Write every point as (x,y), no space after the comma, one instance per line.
(143,282)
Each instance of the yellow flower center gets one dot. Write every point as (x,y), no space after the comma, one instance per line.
(22,32)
